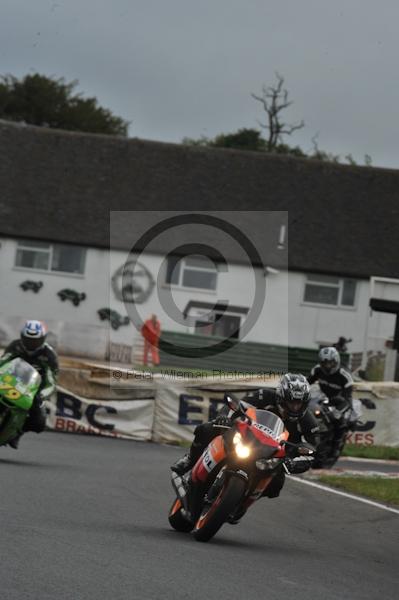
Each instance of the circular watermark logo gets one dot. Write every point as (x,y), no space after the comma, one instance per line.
(220,262)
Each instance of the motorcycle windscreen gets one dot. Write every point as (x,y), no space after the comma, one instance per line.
(19,382)
(270,424)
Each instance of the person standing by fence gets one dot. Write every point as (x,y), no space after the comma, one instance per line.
(151,332)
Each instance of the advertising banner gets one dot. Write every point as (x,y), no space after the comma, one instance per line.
(161,410)
(123,418)
(179,410)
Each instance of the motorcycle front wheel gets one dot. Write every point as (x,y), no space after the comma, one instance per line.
(213,516)
(176,519)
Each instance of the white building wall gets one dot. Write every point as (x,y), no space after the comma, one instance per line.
(78,326)
(284,318)
(310,325)
(236,286)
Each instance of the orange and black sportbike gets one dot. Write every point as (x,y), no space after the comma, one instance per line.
(233,471)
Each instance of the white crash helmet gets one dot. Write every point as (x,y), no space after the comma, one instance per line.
(33,336)
(330,360)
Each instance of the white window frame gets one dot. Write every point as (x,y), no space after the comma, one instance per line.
(339,285)
(183,267)
(25,245)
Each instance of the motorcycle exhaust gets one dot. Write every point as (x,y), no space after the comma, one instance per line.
(181,492)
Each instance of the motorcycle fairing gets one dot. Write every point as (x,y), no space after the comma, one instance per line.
(212,456)
(19,383)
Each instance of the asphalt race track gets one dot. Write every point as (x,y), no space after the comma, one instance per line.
(85,518)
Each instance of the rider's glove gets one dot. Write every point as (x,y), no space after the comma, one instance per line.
(222,421)
(299,464)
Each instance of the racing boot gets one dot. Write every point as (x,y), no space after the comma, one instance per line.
(182,465)
(336,448)
(332,457)
(186,462)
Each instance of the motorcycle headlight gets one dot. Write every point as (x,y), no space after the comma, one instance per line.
(242,450)
(237,438)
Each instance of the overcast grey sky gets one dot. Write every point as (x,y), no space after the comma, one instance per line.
(178,68)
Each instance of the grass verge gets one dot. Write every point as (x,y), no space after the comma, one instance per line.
(375,488)
(381,452)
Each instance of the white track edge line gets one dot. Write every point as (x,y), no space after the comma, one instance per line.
(380,461)
(345,494)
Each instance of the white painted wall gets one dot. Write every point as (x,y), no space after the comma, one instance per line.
(78,326)
(311,324)
(237,286)
(284,319)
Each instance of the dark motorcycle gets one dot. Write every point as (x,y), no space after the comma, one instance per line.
(335,418)
(234,471)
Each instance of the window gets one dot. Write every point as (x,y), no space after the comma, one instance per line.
(333,291)
(192,271)
(33,255)
(226,326)
(69,259)
(50,257)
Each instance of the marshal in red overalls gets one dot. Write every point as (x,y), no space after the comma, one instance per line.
(151,332)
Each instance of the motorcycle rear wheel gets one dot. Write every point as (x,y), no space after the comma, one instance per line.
(212,518)
(176,519)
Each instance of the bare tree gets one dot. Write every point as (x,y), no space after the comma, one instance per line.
(274,100)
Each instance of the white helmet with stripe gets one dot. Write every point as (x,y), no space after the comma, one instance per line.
(330,360)
(33,336)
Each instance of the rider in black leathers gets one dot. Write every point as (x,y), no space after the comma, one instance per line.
(290,402)
(32,348)
(337,384)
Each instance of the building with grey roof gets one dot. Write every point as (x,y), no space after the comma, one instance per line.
(65,200)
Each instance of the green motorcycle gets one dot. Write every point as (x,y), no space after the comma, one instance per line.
(19,383)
